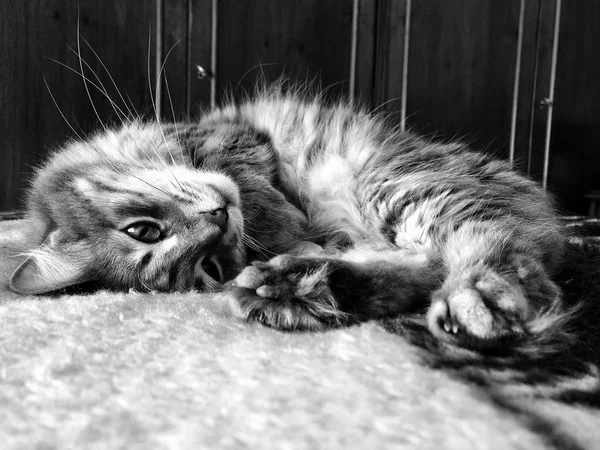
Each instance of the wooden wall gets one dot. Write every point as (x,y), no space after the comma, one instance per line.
(39,40)
(450,67)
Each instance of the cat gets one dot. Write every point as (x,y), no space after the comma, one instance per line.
(311,214)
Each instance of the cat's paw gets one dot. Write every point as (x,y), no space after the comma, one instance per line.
(479,309)
(287,293)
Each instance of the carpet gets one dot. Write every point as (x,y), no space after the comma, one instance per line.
(177,371)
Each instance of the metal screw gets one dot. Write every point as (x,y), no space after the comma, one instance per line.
(201,73)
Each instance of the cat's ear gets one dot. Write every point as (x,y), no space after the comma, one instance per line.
(48,268)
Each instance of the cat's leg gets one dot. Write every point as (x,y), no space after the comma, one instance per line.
(496,284)
(316,292)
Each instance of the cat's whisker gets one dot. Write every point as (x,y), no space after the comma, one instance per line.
(262,76)
(185,162)
(161,75)
(150,184)
(253,242)
(104,92)
(155,106)
(83,74)
(58,108)
(131,110)
(251,214)
(102,89)
(85,79)
(254,245)
(130,117)
(152,99)
(382,105)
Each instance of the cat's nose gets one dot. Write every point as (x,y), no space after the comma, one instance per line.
(219,217)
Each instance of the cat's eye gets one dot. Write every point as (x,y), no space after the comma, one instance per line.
(144,232)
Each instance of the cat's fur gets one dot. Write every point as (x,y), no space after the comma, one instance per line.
(348,219)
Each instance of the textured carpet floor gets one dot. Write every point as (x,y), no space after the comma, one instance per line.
(177,371)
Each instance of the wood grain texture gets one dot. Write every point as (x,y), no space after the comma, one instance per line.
(575,139)
(389,54)
(187,44)
(461,65)
(541,87)
(200,54)
(527,105)
(461,70)
(38,31)
(365,57)
(308,41)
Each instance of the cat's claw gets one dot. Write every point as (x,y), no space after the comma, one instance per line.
(447,327)
(450,327)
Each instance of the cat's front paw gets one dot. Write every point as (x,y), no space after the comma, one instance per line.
(480,309)
(287,293)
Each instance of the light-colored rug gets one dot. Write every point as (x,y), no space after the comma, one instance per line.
(149,371)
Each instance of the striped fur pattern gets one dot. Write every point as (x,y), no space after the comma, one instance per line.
(343,218)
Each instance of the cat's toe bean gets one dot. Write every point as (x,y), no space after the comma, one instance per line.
(251,278)
(469,310)
(266,291)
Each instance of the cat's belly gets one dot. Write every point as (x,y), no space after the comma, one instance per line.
(331,196)
(330,188)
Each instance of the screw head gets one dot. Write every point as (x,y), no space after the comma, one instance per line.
(201,73)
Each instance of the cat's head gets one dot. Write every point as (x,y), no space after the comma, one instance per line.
(126,210)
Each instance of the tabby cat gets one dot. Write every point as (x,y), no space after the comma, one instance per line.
(313,215)
(343,219)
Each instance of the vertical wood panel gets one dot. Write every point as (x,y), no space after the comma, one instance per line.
(575,141)
(34,30)
(541,84)
(527,106)
(178,70)
(365,58)
(461,70)
(304,40)
(391,20)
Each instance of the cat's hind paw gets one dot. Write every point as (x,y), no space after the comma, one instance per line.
(287,293)
(480,310)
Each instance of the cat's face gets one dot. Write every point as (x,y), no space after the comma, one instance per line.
(132,223)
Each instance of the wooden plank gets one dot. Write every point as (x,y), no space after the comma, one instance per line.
(36,31)
(527,104)
(308,40)
(391,19)
(186,44)
(575,139)
(461,69)
(174,62)
(200,55)
(540,90)
(365,55)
